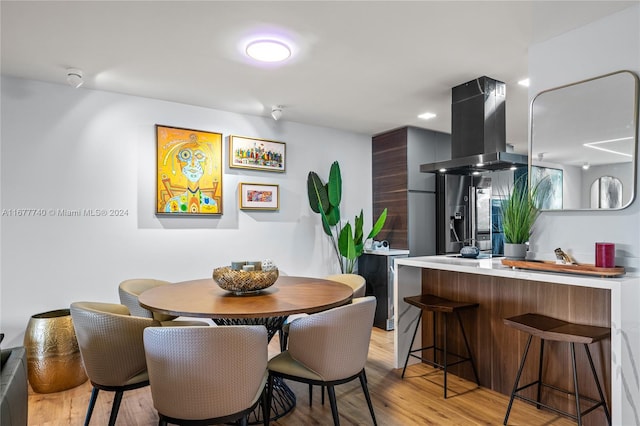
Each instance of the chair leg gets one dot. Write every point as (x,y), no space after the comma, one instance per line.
(92,404)
(269,398)
(466,343)
(595,377)
(406,361)
(434,331)
(445,353)
(539,394)
(515,385)
(322,391)
(244,420)
(365,389)
(310,394)
(575,383)
(162,421)
(115,407)
(334,406)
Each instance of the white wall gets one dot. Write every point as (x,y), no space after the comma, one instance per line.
(607,45)
(83,149)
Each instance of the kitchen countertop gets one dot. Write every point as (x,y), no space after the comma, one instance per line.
(625,333)
(494,267)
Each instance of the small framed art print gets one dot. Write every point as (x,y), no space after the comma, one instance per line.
(257,154)
(259,196)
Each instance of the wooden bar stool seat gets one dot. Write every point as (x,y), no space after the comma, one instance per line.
(440,305)
(548,328)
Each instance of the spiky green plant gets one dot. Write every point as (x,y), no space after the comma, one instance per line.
(520,209)
(347,241)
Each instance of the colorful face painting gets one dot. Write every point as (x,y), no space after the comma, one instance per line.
(189,174)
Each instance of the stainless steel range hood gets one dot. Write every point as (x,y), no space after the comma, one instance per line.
(478,130)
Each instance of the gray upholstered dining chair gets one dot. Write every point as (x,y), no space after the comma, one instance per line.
(357,282)
(129,290)
(207,375)
(112,350)
(328,348)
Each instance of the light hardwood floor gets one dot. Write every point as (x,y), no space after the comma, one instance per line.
(415,400)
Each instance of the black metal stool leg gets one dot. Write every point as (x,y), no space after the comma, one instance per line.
(415,330)
(434,329)
(444,354)
(595,377)
(540,373)
(515,385)
(575,383)
(466,343)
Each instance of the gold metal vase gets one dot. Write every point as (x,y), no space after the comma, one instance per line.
(53,358)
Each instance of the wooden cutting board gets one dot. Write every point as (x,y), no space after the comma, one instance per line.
(552,266)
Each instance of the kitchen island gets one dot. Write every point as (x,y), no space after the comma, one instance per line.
(503,292)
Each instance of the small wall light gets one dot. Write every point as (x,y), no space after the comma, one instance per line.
(276,112)
(74,77)
(586,166)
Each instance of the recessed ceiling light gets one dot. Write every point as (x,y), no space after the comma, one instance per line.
(427,116)
(268,50)
(525,82)
(442,170)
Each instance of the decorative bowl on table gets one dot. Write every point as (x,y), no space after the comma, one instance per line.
(244,282)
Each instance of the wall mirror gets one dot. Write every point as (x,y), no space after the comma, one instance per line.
(584,138)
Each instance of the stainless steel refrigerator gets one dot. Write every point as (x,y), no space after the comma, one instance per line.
(463,213)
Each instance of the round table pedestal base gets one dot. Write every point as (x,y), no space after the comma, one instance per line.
(282,402)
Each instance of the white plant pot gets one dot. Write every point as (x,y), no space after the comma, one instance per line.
(515,251)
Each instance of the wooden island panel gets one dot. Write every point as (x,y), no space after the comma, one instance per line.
(498,348)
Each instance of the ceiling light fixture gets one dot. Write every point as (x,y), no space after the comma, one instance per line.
(268,50)
(74,77)
(427,116)
(525,82)
(586,166)
(276,112)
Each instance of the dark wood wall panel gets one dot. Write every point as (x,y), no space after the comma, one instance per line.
(389,169)
(497,348)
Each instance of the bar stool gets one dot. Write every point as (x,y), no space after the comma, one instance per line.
(439,305)
(547,328)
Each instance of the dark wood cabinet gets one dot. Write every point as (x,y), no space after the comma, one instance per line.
(399,186)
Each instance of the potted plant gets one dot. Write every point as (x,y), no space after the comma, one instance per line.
(520,209)
(347,240)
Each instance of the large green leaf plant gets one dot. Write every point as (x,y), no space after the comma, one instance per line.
(347,240)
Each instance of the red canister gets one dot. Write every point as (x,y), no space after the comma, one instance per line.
(605,255)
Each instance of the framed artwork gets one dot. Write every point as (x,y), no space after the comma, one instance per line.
(189,172)
(259,196)
(554,199)
(257,154)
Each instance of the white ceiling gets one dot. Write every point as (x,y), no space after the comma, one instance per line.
(361,66)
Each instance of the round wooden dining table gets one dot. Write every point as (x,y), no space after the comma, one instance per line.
(269,307)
